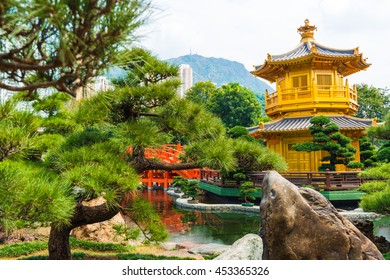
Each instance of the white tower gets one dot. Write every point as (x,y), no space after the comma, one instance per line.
(185,74)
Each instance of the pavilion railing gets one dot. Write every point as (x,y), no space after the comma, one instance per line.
(309,93)
(327,180)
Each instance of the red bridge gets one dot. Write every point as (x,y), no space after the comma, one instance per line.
(168,153)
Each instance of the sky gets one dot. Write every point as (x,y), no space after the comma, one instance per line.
(246,30)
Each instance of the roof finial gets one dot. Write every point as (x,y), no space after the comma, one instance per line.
(307,31)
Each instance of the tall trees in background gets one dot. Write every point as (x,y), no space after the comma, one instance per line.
(373,102)
(233,103)
(382,135)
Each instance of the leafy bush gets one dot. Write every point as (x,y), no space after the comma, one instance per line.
(193,189)
(35,258)
(97,246)
(20,249)
(253,156)
(179,183)
(370,187)
(384,154)
(381,172)
(239,176)
(377,202)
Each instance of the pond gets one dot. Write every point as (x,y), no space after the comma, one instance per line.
(223,228)
(201,228)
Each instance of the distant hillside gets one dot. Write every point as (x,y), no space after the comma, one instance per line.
(222,71)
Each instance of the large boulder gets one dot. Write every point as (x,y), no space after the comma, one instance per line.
(300,223)
(249,247)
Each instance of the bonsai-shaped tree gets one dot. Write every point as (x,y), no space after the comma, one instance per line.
(327,137)
(193,189)
(239,177)
(179,184)
(246,190)
(367,152)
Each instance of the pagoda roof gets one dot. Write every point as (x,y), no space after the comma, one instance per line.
(303,123)
(307,48)
(347,61)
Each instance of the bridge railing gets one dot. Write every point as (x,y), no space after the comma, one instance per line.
(327,180)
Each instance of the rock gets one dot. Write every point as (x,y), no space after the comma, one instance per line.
(209,249)
(18,235)
(367,228)
(100,232)
(300,223)
(249,247)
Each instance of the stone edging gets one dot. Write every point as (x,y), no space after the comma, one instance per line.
(217,208)
(356,214)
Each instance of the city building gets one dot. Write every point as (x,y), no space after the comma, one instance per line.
(310,81)
(185,74)
(96,84)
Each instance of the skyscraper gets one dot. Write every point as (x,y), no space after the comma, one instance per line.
(185,74)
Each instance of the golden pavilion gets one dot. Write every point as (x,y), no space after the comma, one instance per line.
(310,81)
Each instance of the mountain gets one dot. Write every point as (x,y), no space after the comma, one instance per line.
(222,71)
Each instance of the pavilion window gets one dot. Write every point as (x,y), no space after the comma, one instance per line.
(324,81)
(300,82)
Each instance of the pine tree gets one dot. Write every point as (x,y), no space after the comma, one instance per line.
(327,137)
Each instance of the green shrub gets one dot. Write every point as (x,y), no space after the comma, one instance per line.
(20,249)
(381,172)
(375,186)
(376,202)
(193,189)
(97,246)
(239,176)
(78,256)
(35,258)
(384,154)
(179,183)
(253,156)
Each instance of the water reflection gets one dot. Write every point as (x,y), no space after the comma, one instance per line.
(223,228)
(382,227)
(198,227)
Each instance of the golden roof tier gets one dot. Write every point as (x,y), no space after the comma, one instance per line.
(346,61)
(310,79)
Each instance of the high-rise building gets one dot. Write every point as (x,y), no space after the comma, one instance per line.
(96,84)
(185,74)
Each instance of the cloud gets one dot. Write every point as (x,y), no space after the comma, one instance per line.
(246,30)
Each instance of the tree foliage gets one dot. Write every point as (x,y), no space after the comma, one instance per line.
(373,102)
(201,92)
(18,130)
(377,198)
(381,135)
(63,44)
(90,158)
(368,155)
(381,131)
(233,103)
(327,137)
